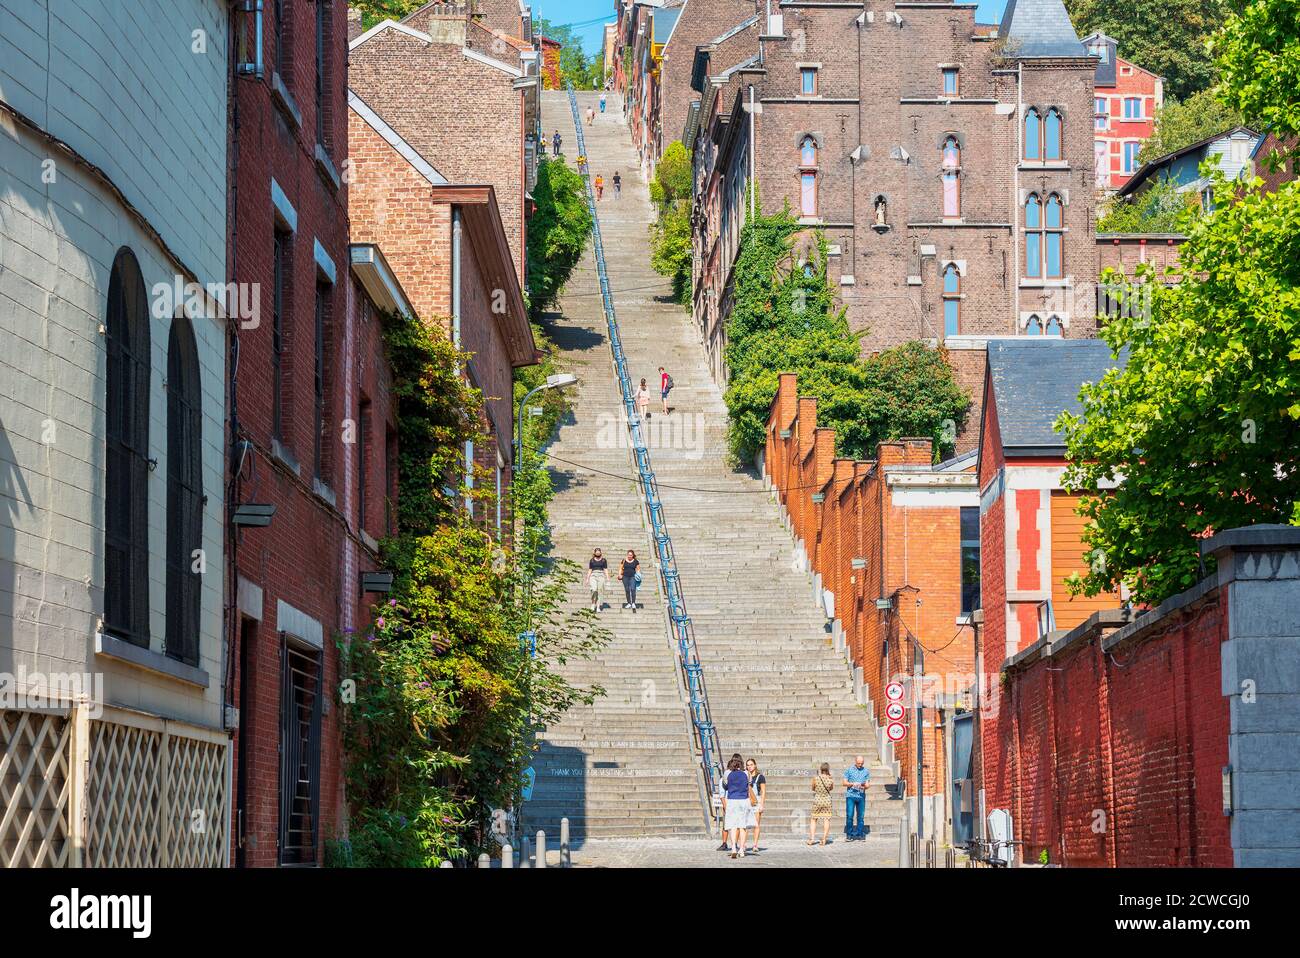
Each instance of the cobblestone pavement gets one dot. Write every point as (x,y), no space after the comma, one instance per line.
(784,852)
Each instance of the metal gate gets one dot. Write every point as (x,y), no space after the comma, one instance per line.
(300,716)
(963,784)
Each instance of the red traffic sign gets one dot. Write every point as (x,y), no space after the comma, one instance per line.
(894,711)
(894,691)
(896,731)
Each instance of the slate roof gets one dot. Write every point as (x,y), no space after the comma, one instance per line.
(664,21)
(1035,379)
(1039,28)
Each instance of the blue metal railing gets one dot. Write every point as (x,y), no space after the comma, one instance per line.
(683,631)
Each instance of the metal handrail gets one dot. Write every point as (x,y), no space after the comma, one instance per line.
(688,659)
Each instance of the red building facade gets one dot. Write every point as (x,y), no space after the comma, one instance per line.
(1125,102)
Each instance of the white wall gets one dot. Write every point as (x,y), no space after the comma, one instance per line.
(127,92)
(58,240)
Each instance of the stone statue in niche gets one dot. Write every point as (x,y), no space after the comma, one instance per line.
(882,215)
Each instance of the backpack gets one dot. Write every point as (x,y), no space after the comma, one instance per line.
(669,386)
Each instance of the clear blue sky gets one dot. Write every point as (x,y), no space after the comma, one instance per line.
(603,11)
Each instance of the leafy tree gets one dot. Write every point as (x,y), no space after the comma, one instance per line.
(375,11)
(557,231)
(583,71)
(1180,124)
(1167,37)
(785,320)
(1158,209)
(670,235)
(1203,423)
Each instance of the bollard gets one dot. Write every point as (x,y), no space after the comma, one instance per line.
(904,860)
(447,864)
(526,853)
(507,857)
(564,843)
(541,849)
(485,860)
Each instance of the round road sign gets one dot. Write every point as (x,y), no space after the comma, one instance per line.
(896,731)
(894,711)
(894,691)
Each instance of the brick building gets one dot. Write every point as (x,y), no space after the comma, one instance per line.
(1030,534)
(699,24)
(435,198)
(113,316)
(948,165)
(1125,102)
(289,416)
(893,545)
(645,28)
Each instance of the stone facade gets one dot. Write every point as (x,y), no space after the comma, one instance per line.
(903,136)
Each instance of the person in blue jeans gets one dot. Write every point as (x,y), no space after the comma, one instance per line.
(855,801)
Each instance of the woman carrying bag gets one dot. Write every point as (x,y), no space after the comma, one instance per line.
(737,806)
(629,572)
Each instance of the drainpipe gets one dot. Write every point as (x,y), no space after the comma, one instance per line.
(752,184)
(1015,199)
(455,275)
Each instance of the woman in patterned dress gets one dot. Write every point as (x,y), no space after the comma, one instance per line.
(822,786)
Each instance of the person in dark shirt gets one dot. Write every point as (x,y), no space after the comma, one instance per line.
(555,143)
(737,807)
(618,184)
(758,782)
(629,572)
(597,577)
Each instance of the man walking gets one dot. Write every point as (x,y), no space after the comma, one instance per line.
(555,144)
(602,103)
(855,800)
(665,387)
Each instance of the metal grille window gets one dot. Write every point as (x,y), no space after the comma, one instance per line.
(126,472)
(300,717)
(322,23)
(363,451)
(184,492)
(318,450)
(970,559)
(279,278)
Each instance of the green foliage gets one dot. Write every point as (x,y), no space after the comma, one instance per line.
(784,320)
(583,71)
(1167,37)
(1259,56)
(443,704)
(1203,424)
(557,231)
(1157,209)
(375,11)
(670,235)
(1182,123)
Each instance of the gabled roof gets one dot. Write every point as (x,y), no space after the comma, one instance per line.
(394,139)
(664,22)
(1039,28)
(1148,169)
(1036,378)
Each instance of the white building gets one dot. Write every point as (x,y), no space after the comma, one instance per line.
(113,191)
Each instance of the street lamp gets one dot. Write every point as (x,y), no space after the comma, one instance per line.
(558,381)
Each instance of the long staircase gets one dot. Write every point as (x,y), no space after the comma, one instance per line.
(777,688)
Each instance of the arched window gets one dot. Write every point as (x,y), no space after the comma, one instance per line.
(1054,244)
(808,176)
(1052,135)
(1053,326)
(1033,135)
(184,492)
(951,178)
(1033,237)
(126,465)
(1034,327)
(951,300)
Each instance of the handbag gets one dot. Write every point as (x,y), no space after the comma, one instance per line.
(637,578)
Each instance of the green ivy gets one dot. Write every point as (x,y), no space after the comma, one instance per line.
(785,320)
(670,234)
(557,231)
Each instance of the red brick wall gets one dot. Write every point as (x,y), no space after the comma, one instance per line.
(698,24)
(1114,756)
(903,546)
(1124,253)
(298,559)
(1118,130)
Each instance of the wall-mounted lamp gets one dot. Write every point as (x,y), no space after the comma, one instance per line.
(377,581)
(819,497)
(858,563)
(884,604)
(784,434)
(253,515)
